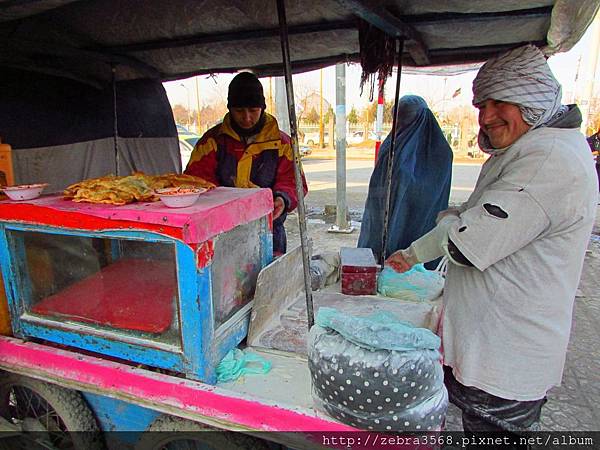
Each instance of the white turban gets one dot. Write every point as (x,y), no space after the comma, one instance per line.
(520,76)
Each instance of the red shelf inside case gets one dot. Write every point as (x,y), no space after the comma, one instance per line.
(130,294)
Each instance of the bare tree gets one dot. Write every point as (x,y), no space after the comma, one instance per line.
(181,114)
(466,119)
(303,93)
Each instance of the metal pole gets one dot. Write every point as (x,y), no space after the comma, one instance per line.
(379,122)
(341,220)
(189,113)
(115,121)
(390,163)
(592,65)
(197,106)
(271,95)
(287,67)
(281,105)
(321,130)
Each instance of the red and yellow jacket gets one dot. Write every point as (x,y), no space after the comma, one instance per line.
(221,157)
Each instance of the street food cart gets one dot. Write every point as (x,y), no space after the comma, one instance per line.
(82,97)
(167,288)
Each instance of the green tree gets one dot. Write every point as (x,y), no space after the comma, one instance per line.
(353,116)
(328,115)
(369,113)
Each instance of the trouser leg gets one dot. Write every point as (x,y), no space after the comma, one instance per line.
(485,414)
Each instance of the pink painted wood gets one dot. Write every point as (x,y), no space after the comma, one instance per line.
(151,389)
(215,212)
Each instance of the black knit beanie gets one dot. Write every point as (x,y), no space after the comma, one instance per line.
(245,91)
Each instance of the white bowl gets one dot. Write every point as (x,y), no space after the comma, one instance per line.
(179,197)
(24,191)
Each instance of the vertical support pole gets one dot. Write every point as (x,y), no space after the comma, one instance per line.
(390,163)
(287,67)
(271,95)
(321,129)
(281,105)
(379,122)
(115,121)
(341,220)
(198,130)
(592,65)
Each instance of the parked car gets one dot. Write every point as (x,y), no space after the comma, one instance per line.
(304,150)
(313,138)
(186,146)
(188,141)
(358,137)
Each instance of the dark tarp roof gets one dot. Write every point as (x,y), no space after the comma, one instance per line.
(83,39)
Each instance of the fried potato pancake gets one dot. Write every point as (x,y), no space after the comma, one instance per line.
(138,187)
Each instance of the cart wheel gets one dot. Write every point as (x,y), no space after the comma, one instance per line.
(173,433)
(50,411)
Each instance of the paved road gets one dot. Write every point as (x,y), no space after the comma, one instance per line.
(321,178)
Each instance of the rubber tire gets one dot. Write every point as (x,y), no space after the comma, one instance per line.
(68,404)
(310,142)
(168,429)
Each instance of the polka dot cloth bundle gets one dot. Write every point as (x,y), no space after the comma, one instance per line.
(376,389)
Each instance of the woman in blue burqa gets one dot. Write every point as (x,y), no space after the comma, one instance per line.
(421,175)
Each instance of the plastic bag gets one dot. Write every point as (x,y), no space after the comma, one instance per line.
(324,270)
(378,331)
(376,388)
(417,284)
(237,363)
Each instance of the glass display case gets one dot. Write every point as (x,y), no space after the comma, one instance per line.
(173,295)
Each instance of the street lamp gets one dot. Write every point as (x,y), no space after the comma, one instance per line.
(188,103)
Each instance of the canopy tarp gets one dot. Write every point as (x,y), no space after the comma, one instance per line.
(74,71)
(175,39)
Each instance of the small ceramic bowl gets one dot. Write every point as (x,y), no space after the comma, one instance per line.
(24,191)
(179,197)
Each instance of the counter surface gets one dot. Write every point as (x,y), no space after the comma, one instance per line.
(215,212)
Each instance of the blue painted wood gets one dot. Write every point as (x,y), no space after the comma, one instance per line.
(225,342)
(200,351)
(115,249)
(117,415)
(266,239)
(16,244)
(196,308)
(139,235)
(10,282)
(129,352)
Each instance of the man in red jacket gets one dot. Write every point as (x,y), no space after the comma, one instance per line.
(247,150)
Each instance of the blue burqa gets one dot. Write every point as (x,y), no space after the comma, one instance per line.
(421,176)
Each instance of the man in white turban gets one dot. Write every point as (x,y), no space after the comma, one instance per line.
(516,247)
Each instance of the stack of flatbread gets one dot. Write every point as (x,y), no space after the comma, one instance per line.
(138,187)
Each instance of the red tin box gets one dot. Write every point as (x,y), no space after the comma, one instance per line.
(359,271)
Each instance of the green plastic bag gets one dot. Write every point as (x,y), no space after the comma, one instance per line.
(379,331)
(237,363)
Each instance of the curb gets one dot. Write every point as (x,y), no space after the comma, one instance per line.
(371,157)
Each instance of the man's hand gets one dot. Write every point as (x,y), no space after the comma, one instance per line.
(447,212)
(278,207)
(401,261)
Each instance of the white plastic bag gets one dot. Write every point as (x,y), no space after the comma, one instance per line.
(417,284)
